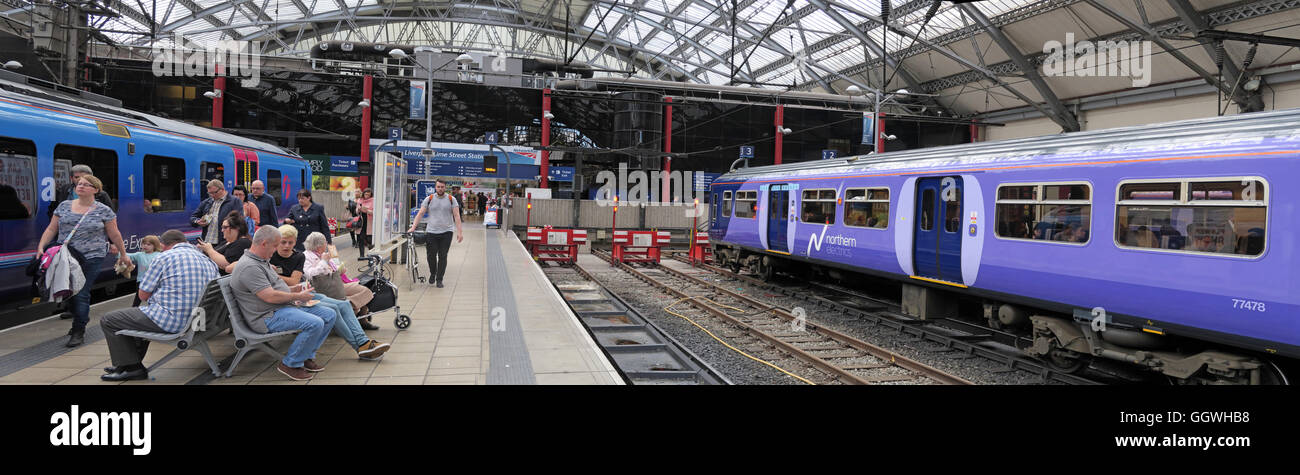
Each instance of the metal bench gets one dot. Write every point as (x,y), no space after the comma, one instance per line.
(246,339)
(207,319)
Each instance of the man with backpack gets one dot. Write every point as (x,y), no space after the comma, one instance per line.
(444,218)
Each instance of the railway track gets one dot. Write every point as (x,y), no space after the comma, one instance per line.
(951,336)
(819,355)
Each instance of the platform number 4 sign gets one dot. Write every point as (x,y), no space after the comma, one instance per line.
(490,138)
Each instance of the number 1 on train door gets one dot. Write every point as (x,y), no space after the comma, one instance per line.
(936,251)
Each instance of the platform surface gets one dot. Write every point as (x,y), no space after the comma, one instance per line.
(496,321)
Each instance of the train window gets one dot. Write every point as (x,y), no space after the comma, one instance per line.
(726,203)
(1151,192)
(17,178)
(952,213)
(1217,216)
(212,171)
(164,184)
(1057,212)
(746,204)
(927,210)
(102,162)
(866,207)
(818,207)
(274,185)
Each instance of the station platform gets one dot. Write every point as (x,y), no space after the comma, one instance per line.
(498,320)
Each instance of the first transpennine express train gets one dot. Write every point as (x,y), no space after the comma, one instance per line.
(1171,246)
(155,170)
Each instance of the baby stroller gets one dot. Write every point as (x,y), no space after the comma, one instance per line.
(375,278)
(491,217)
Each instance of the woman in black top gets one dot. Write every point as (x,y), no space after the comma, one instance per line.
(286,261)
(308,217)
(234,231)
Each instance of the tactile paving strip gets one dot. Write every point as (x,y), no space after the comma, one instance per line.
(509,362)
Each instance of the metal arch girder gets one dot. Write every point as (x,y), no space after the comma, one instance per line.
(661,28)
(1193,19)
(877,49)
(126,10)
(831,41)
(199,13)
(368,21)
(773,45)
(1060,114)
(364,21)
(1152,36)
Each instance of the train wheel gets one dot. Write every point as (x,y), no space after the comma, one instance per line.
(765,270)
(1273,375)
(1065,361)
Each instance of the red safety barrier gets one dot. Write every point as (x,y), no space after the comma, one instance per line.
(701,251)
(555,245)
(639,246)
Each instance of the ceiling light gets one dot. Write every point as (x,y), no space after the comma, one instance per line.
(398,53)
(785,130)
(464,58)
(13,65)
(212,94)
(364,103)
(548,115)
(853,90)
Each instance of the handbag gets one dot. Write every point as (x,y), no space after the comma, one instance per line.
(36,267)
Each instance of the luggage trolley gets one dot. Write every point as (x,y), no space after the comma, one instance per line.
(375,277)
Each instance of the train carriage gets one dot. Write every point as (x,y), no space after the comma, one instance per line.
(1175,240)
(154,169)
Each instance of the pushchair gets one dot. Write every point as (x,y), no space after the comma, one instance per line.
(375,278)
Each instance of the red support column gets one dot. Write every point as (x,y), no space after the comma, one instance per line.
(546,136)
(367,85)
(880,132)
(974,132)
(780,123)
(218,103)
(668,148)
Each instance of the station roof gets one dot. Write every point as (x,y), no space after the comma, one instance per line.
(972,58)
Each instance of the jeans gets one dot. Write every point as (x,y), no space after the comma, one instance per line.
(81,302)
(346,325)
(315,323)
(435,249)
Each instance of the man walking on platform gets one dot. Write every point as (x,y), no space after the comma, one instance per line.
(444,217)
(267,215)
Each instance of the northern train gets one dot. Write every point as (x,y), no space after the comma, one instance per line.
(1170,246)
(154,169)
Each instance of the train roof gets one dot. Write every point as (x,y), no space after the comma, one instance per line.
(1221,132)
(65,99)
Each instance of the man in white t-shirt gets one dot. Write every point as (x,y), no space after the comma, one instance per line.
(444,217)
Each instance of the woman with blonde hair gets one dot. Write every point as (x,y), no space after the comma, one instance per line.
(87,227)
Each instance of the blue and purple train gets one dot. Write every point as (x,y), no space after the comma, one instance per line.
(153,168)
(1171,246)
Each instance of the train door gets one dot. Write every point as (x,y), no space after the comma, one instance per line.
(245,168)
(936,251)
(778,217)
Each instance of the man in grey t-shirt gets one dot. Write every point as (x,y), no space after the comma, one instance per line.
(444,217)
(270,305)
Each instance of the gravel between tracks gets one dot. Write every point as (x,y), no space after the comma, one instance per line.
(977,370)
(650,303)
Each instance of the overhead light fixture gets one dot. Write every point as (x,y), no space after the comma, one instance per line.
(548,115)
(464,58)
(853,90)
(902,91)
(891,137)
(785,130)
(1252,85)
(13,65)
(212,94)
(364,103)
(398,53)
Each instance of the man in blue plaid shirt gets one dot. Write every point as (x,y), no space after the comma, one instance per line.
(174,282)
